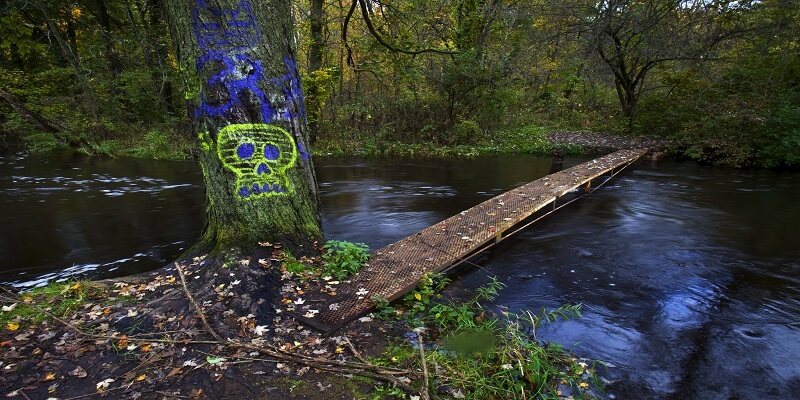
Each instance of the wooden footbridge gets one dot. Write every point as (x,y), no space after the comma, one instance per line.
(396,269)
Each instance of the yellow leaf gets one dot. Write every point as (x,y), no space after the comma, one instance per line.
(12,326)
(141,378)
(417,296)
(50,376)
(339,350)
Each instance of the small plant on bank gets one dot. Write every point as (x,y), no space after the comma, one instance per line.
(303,268)
(428,290)
(343,259)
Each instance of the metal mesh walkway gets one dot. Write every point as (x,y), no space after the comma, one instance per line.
(396,269)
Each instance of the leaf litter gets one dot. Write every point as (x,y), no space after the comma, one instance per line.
(122,345)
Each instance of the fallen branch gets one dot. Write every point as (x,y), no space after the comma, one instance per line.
(424,391)
(196,306)
(335,366)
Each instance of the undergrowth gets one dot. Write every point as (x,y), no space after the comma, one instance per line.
(475,353)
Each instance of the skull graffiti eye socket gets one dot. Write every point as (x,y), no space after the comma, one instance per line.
(271,152)
(245,150)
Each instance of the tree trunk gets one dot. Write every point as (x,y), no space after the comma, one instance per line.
(68,52)
(104,21)
(315,50)
(317,37)
(33,117)
(237,60)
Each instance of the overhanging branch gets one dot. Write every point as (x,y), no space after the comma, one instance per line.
(378,37)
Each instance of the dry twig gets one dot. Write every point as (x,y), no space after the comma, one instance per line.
(196,306)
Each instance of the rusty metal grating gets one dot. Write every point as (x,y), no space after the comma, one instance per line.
(395,270)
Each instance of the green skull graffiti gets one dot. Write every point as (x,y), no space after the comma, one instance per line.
(259,155)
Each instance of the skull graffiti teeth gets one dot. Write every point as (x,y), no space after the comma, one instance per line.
(259,155)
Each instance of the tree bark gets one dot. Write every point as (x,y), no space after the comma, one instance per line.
(238,63)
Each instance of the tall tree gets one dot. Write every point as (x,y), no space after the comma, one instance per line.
(237,58)
(632,37)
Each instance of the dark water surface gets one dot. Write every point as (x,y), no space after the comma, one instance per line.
(69,214)
(689,276)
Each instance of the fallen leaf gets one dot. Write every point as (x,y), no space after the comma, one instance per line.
(10,308)
(78,372)
(175,371)
(104,384)
(12,326)
(141,378)
(50,376)
(214,360)
(23,337)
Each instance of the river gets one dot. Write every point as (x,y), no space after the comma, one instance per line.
(689,276)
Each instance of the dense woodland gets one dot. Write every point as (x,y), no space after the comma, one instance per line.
(718,77)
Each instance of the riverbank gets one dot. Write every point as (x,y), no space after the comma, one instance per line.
(114,343)
(529,140)
(117,338)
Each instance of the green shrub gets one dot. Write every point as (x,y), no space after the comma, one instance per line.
(343,259)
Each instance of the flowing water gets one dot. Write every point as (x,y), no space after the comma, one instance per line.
(689,276)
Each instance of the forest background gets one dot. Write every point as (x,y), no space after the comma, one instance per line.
(717,78)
